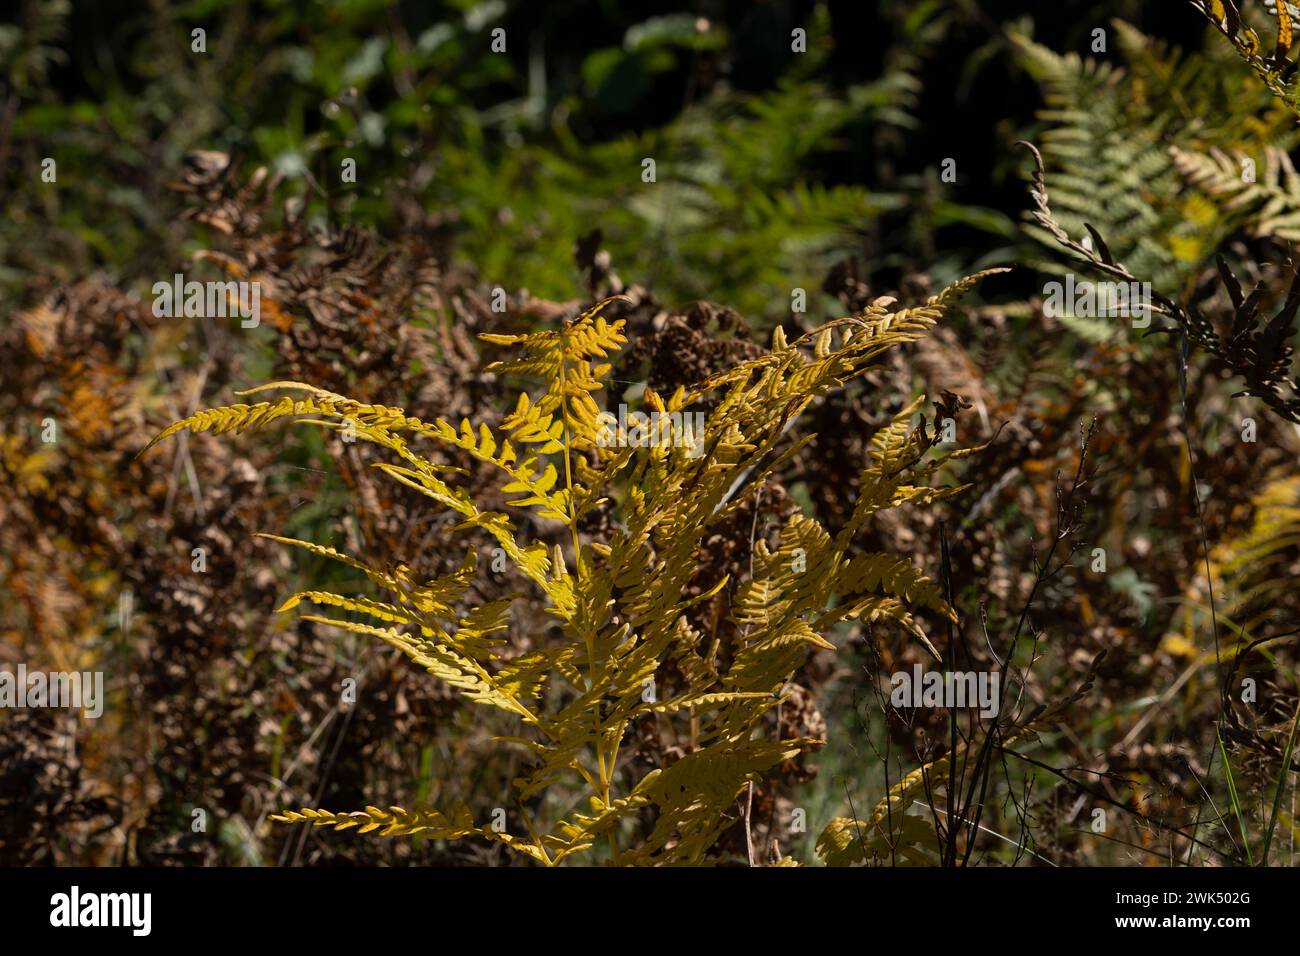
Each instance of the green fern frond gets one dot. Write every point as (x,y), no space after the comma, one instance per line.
(1109,147)
(1268,206)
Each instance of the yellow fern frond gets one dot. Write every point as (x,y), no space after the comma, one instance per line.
(623,601)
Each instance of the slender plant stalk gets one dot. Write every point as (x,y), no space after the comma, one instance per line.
(1281,784)
(1232,795)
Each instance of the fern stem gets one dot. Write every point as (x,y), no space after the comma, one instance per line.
(532,831)
(573,517)
(587,635)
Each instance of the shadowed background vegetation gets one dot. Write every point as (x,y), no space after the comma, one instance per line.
(522,171)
